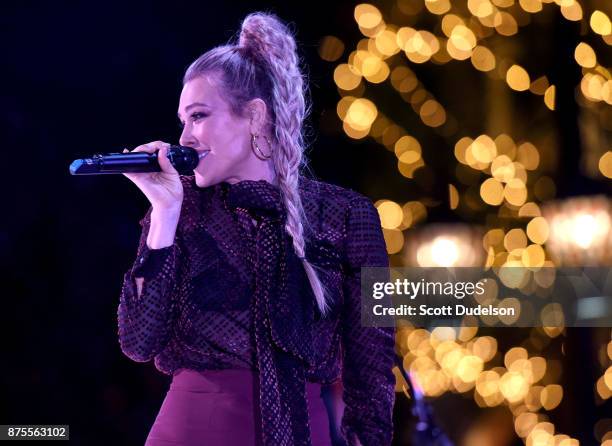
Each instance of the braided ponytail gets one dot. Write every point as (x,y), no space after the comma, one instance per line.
(270,40)
(264,64)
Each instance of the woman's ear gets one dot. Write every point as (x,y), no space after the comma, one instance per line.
(257,112)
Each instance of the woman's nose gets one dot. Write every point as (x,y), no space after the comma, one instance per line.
(187,138)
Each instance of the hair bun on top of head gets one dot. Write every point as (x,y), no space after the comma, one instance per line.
(265,35)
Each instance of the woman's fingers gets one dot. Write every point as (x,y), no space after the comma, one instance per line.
(162,156)
(164,162)
(151,147)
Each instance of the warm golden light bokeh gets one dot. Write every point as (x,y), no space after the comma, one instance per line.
(367,16)
(518,78)
(503,175)
(600,23)
(585,56)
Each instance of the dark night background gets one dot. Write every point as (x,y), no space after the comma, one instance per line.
(80,78)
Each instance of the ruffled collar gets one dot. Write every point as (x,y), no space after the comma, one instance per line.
(260,197)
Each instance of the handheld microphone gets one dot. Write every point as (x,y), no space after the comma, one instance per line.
(184,159)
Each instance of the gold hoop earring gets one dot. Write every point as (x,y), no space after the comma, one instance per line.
(257,151)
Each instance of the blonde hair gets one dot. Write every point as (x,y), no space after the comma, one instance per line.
(264,64)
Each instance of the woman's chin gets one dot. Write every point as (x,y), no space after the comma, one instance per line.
(203,181)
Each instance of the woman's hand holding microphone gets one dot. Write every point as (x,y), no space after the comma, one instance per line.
(164,191)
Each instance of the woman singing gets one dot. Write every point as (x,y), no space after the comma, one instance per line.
(246,286)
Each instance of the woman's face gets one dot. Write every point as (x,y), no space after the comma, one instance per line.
(211,127)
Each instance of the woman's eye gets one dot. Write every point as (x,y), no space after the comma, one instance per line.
(198,116)
(194,117)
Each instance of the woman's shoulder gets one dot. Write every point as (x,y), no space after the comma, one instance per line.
(336,216)
(329,194)
(323,198)
(331,209)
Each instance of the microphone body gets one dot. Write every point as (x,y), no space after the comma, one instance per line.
(184,159)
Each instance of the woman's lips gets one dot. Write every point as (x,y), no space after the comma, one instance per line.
(201,155)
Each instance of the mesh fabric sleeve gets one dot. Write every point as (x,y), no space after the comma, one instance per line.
(368,352)
(148,300)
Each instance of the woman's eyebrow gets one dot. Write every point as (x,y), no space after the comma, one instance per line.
(192,105)
(196,104)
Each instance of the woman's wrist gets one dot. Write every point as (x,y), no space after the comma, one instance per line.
(163,227)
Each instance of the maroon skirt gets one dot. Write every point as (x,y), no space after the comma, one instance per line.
(220,407)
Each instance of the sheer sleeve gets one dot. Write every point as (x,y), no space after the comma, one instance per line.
(148,301)
(367,351)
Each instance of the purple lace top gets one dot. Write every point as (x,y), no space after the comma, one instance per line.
(231,293)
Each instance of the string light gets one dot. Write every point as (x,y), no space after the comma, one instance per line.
(493,172)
